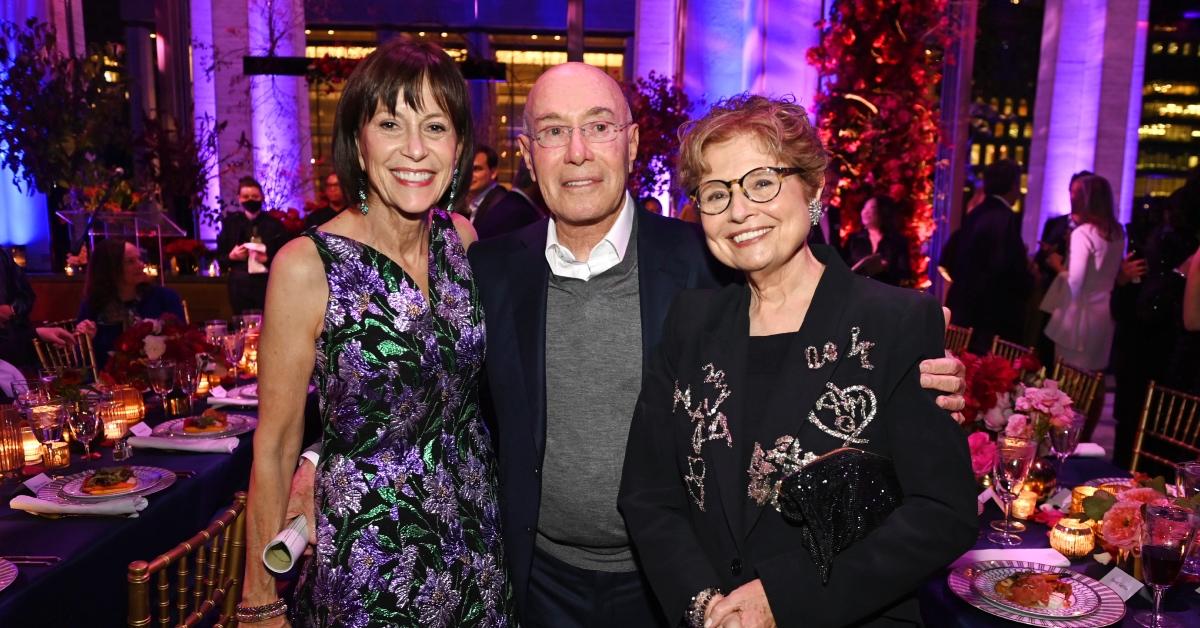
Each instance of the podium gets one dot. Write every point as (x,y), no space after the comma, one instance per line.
(131,225)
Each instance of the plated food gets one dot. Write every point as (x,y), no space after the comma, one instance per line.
(208,422)
(1037,590)
(110,481)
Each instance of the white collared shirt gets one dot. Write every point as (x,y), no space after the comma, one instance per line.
(607,253)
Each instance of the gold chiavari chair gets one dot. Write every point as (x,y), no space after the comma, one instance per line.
(1086,390)
(1169,430)
(75,354)
(1009,350)
(204,574)
(187,316)
(958,338)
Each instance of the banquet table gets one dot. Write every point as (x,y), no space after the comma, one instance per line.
(941,607)
(87,586)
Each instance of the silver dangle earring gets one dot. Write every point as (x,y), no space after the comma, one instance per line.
(453,190)
(815,211)
(362,200)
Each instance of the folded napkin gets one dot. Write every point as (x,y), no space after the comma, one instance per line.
(122,506)
(1088,450)
(205,445)
(1044,555)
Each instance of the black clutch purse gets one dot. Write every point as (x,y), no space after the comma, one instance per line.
(838,499)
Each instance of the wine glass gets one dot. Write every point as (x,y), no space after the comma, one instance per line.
(85,423)
(214,329)
(162,376)
(187,378)
(233,343)
(1013,458)
(1187,480)
(1064,437)
(1166,533)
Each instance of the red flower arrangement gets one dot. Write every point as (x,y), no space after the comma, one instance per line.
(168,339)
(292,222)
(659,108)
(329,71)
(185,246)
(987,378)
(879,109)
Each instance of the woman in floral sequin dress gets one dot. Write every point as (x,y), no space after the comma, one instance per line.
(380,308)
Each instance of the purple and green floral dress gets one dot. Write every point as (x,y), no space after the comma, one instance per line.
(408,529)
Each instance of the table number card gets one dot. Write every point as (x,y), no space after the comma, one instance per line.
(1124,584)
(141,429)
(1061,499)
(986,495)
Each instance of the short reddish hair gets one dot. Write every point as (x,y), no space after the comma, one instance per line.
(779,124)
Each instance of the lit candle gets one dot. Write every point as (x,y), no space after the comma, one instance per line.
(58,455)
(1072,538)
(29,442)
(1080,493)
(1025,505)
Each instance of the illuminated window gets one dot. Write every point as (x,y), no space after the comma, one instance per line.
(1022,109)
(1008,106)
(989,155)
(1014,130)
(1021,155)
(1028,131)
(1156,48)
(999,132)
(1003,154)
(1173,48)
(974,154)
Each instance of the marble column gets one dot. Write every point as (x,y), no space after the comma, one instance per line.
(1088,103)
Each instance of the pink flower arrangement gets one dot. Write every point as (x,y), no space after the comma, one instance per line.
(1047,400)
(1144,495)
(1018,426)
(1121,526)
(983,453)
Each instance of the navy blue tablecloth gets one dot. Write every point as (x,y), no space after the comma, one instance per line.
(942,608)
(88,586)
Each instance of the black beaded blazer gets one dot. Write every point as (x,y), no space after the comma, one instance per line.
(701,515)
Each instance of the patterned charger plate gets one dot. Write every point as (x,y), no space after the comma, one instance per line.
(236,424)
(249,391)
(8,574)
(1083,599)
(69,489)
(1110,611)
(1098,482)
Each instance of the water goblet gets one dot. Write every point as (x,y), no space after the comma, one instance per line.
(214,329)
(1014,456)
(47,420)
(1166,533)
(1187,480)
(85,424)
(161,374)
(233,344)
(1064,436)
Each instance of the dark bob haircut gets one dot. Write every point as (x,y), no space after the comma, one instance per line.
(400,68)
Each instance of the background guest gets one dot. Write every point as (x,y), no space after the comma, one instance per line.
(248,241)
(16,330)
(335,201)
(513,208)
(987,262)
(650,204)
(1056,235)
(879,250)
(484,191)
(1081,325)
(116,292)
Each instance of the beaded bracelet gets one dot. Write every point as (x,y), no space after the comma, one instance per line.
(254,614)
(698,605)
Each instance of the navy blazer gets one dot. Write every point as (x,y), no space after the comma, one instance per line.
(694,497)
(512,276)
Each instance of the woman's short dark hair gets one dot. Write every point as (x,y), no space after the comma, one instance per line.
(400,68)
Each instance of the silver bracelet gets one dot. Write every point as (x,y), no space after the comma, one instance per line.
(698,605)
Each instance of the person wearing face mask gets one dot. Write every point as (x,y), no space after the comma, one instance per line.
(248,241)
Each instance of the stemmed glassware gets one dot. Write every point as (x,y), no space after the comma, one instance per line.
(161,374)
(187,378)
(1166,533)
(233,344)
(1064,437)
(85,424)
(47,420)
(1013,458)
(1187,480)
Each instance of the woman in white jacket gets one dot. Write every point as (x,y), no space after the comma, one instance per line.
(1080,323)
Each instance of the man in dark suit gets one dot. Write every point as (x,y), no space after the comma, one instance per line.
(987,261)
(335,202)
(514,209)
(574,306)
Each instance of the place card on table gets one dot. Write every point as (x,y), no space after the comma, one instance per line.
(1088,450)
(219,392)
(1061,499)
(1124,584)
(141,429)
(36,482)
